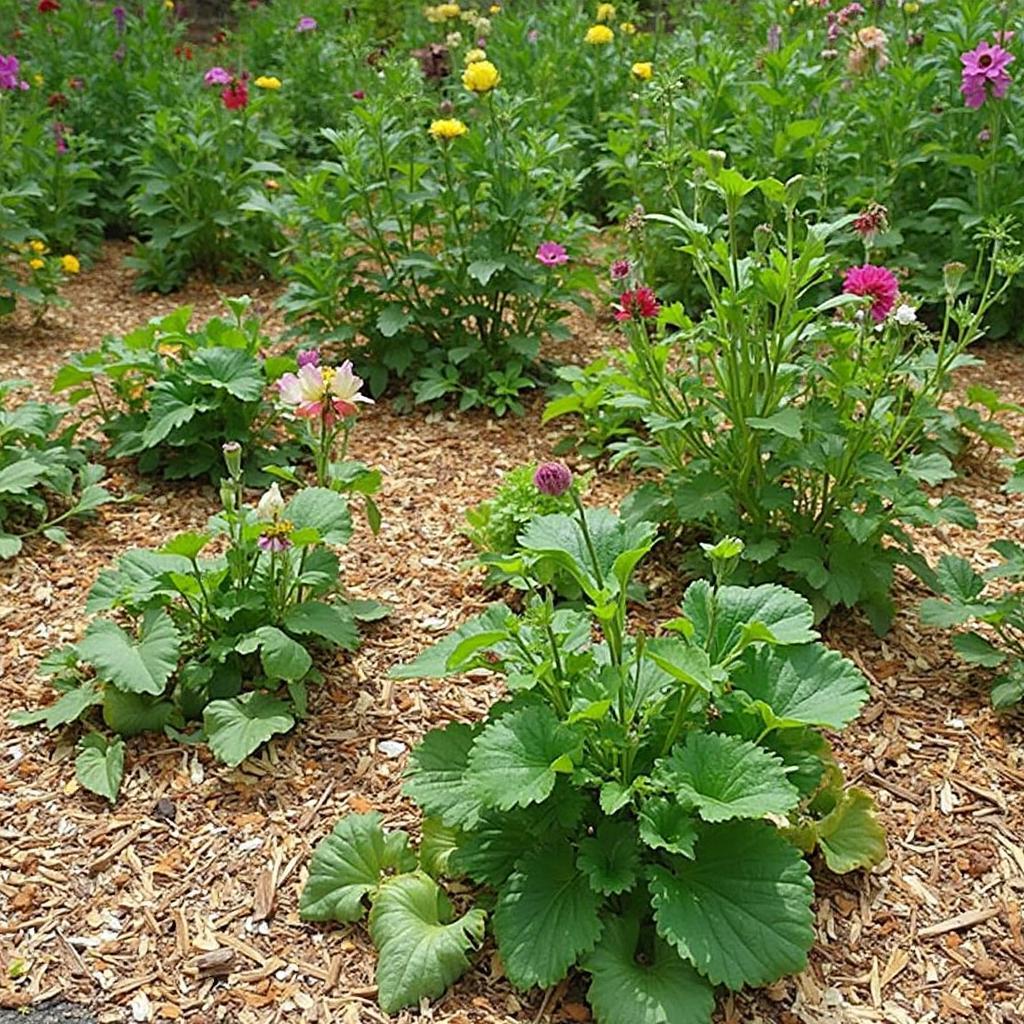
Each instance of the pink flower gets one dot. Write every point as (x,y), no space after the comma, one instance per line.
(359,94)
(273,542)
(308,357)
(871,220)
(639,304)
(217,76)
(551,254)
(306,24)
(553,479)
(877,283)
(317,391)
(984,66)
(621,269)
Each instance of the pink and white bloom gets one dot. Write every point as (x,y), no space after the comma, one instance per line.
(217,76)
(551,254)
(326,391)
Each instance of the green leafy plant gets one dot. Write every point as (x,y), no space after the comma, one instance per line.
(994,601)
(170,395)
(217,649)
(45,478)
(638,804)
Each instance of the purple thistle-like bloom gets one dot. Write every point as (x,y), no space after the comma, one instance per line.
(306,24)
(217,76)
(621,269)
(308,357)
(552,478)
(983,67)
(120,15)
(9,77)
(551,254)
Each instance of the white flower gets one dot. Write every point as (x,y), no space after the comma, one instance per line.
(271,505)
(905,315)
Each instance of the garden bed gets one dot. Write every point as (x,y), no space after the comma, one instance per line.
(117,907)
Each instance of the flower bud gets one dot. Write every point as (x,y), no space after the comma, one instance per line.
(271,505)
(233,458)
(717,157)
(952,275)
(552,478)
(762,238)
(795,189)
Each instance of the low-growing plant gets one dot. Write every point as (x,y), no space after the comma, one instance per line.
(994,601)
(45,478)
(639,804)
(217,649)
(170,395)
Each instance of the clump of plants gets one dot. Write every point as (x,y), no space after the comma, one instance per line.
(217,649)
(170,395)
(993,602)
(638,807)
(46,479)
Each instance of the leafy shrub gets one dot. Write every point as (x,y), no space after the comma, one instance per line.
(176,393)
(809,433)
(420,255)
(639,805)
(994,600)
(45,479)
(222,645)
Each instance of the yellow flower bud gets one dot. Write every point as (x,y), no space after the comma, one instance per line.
(447,128)
(606,12)
(643,70)
(475,55)
(37,263)
(70,264)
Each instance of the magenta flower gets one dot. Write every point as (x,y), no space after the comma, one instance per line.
(120,16)
(551,254)
(621,269)
(9,78)
(877,283)
(273,542)
(308,357)
(306,24)
(984,67)
(60,139)
(553,479)
(217,76)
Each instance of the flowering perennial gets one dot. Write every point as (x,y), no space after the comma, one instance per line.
(877,283)
(551,254)
(322,391)
(984,68)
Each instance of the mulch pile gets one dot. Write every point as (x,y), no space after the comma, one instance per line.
(180,903)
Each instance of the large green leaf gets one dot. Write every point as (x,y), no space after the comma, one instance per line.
(661,989)
(21,476)
(136,666)
(228,369)
(610,858)
(323,510)
(99,765)
(437,775)
(804,685)
(238,726)
(547,915)
(433,662)
(741,910)
(69,707)
(726,777)
(280,655)
(421,949)
(129,714)
(332,622)
(516,759)
(348,865)
(666,825)
(850,836)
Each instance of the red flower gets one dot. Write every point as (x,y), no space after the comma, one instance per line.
(877,283)
(235,96)
(46,6)
(639,304)
(183,52)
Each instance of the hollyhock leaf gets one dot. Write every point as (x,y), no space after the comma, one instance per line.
(332,622)
(21,476)
(433,662)
(391,320)
(974,648)
(610,858)
(228,369)
(187,545)
(661,989)
(546,916)
(788,422)
(129,714)
(931,468)
(725,777)
(99,766)
(69,707)
(349,865)
(280,655)
(136,666)
(323,510)
(421,949)
(740,911)
(437,778)
(237,727)
(438,844)
(958,580)
(484,270)
(666,825)
(850,836)
(10,545)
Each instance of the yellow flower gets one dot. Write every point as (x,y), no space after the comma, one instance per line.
(643,70)
(606,12)
(599,35)
(447,128)
(481,76)
(37,263)
(169,5)
(38,78)
(268,82)
(70,264)
(443,12)
(494,9)
(37,246)
(911,8)
(475,55)
(627,28)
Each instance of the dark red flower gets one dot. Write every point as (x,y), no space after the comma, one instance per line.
(871,220)
(57,99)
(183,52)
(639,304)
(359,95)
(46,6)
(235,96)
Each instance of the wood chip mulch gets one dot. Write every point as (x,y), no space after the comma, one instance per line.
(180,903)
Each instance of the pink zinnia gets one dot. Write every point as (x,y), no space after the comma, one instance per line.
(877,283)
(551,254)
(983,67)
(217,76)
(639,304)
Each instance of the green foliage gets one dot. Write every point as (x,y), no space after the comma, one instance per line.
(639,806)
(170,395)
(993,601)
(45,478)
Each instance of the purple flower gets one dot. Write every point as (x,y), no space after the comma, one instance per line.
(60,140)
(774,38)
(120,14)
(272,542)
(552,478)
(984,66)
(308,357)
(306,24)
(9,67)
(621,269)
(119,53)
(217,76)
(551,254)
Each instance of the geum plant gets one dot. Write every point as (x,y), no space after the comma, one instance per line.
(45,478)
(992,601)
(217,649)
(808,424)
(639,804)
(170,395)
